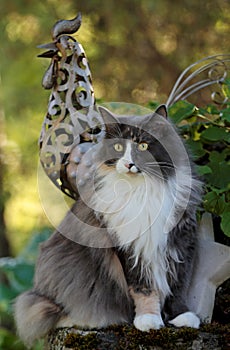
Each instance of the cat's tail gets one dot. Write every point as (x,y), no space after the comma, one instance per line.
(35,316)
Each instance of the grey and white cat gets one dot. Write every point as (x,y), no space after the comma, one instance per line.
(126,251)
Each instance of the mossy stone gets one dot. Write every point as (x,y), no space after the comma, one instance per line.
(209,337)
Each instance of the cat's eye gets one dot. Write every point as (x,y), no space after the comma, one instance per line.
(118,147)
(143,146)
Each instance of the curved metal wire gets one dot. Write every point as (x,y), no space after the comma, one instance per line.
(190,80)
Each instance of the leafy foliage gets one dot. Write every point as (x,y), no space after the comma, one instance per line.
(206,131)
(18,273)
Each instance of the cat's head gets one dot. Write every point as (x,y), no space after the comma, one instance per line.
(137,145)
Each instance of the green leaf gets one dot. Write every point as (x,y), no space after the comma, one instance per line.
(220,170)
(181,110)
(225,221)
(204,169)
(196,148)
(6,293)
(217,157)
(225,115)
(214,133)
(226,87)
(214,203)
(210,109)
(19,273)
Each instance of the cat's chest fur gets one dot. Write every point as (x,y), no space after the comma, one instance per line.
(135,210)
(134,206)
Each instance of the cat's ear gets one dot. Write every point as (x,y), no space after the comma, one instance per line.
(162,110)
(107,116)
(156,124)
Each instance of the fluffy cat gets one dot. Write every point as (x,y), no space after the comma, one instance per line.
(125,252)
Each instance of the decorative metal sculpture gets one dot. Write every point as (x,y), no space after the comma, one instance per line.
(72,125)
(72,117)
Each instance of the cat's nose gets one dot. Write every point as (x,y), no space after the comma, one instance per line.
(132,168)
(129,165)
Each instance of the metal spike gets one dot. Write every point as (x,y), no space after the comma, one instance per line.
(48,46)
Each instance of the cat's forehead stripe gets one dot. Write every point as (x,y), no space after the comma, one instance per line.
(131,132)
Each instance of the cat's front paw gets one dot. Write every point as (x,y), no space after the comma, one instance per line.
(187,319)
(148,321)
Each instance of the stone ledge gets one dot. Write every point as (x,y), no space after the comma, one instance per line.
(208,337)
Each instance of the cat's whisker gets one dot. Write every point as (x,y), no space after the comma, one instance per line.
(151,172)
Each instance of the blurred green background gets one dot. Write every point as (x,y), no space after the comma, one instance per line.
(136,50)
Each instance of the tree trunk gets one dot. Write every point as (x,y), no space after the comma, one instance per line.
(4,243)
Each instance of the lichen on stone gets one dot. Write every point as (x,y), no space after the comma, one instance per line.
(126,337)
